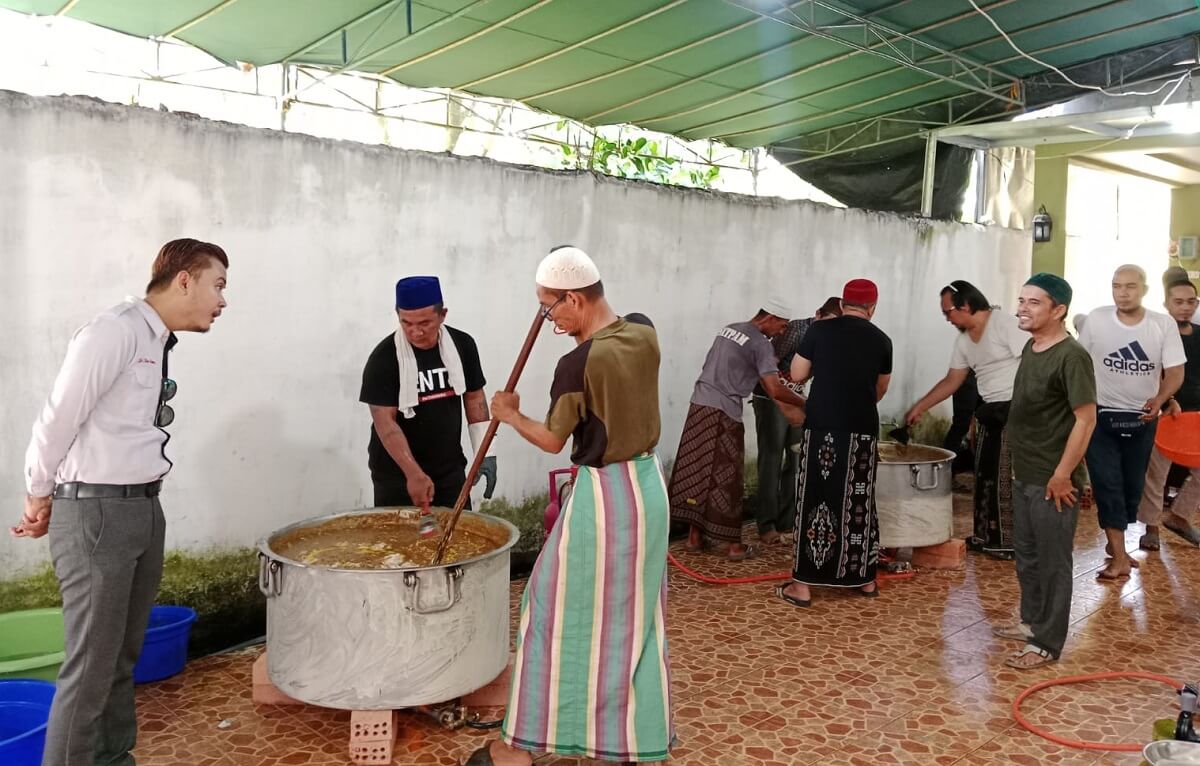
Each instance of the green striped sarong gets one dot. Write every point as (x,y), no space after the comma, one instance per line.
(592,676)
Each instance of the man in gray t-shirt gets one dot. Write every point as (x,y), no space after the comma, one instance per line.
(706,482)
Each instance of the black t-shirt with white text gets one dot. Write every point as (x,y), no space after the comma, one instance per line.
(434,432)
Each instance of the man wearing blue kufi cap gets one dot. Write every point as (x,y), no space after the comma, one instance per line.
(418,382)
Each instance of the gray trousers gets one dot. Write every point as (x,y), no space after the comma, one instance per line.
(1044,544)
(777,467)
(108,555)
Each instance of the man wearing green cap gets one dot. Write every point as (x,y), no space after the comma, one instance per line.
(1050,421)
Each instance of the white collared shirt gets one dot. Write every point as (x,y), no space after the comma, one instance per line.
(98,423)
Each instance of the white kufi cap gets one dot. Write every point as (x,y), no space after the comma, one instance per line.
(777,307)
(567,268)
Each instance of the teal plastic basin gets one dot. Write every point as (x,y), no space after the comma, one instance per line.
(31,644)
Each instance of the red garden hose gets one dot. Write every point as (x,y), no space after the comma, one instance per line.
(1077,744)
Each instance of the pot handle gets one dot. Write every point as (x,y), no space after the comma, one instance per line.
(270,575)
(916,477)
(412,595)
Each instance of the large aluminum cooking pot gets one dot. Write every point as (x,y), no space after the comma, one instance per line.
(915,498)
(388,638)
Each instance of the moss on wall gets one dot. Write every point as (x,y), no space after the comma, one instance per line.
(527,516)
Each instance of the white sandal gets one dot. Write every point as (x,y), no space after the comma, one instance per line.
(1044,658)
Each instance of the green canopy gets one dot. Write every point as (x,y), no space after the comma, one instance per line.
(749,72)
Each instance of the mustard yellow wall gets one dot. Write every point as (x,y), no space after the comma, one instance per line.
(1185,219)
(1050,190)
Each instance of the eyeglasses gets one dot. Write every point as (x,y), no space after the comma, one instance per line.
(166,415)
(547,311)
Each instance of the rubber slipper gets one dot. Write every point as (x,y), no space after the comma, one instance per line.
(1132,561)
(1108,576)
(1149,542)
(781,592)
(1044,658)
(870,593)
(1000,554)
(751,552)
(1189,533)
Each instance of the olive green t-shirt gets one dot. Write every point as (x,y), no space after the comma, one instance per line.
(605,394)
(1049,386)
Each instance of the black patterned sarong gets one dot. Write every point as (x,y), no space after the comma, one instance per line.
(707,480)
(837,527)
(993,479)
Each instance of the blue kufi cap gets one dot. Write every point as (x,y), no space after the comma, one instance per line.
(418,292)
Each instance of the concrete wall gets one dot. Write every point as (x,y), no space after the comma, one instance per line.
(268,427)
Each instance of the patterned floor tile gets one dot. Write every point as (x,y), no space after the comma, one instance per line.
(913,677)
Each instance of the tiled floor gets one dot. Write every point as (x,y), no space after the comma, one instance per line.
(914,677)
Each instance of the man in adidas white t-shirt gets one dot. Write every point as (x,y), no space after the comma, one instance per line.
(1139,361)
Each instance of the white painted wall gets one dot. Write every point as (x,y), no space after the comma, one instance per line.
(268,427)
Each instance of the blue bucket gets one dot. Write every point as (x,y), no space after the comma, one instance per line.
(24,711)
(164,652)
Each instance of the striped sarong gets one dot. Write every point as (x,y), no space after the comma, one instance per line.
(591,676)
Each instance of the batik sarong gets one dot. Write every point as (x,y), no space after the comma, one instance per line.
(707,480)
(993,479)
(591,676)
(837,527)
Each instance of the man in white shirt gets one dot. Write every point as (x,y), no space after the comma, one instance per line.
(93,471)
(1139,361)
(989,343)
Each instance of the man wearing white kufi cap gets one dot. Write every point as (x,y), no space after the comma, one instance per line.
(706,482)
(591,677)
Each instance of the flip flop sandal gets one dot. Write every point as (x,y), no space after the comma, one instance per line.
(1149,542)
(781,592)
(1044,658)
(1000,554)
(1108,576)
(1189,533)
(751,552)
(1011,632)
(869,593)
(1132,561)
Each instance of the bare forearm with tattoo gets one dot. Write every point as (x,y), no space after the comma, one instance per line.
(476,406)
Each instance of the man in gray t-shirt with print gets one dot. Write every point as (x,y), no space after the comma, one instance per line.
(706,482)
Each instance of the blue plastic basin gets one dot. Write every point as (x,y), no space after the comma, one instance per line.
(24,711)
(164,652)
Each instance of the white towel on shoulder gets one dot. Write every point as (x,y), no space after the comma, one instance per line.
(409,394)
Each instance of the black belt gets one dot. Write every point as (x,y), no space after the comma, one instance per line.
(77,490)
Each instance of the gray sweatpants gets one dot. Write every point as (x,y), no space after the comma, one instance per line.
(1044,544)
(108,555)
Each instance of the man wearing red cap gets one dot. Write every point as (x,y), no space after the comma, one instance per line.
(417,383)
(837,529)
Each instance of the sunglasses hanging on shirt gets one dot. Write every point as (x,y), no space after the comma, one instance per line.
(165,415)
